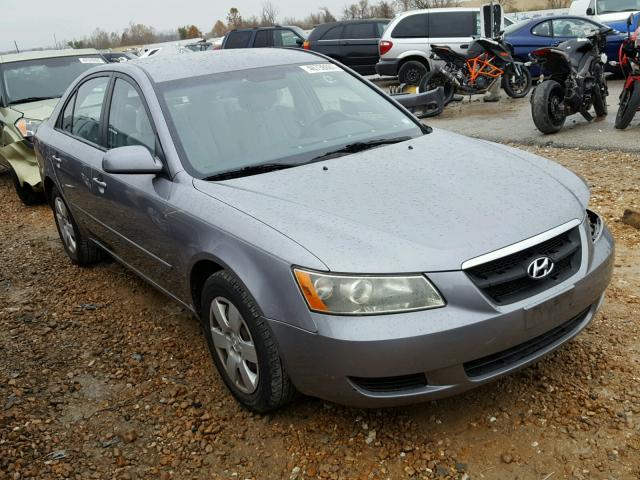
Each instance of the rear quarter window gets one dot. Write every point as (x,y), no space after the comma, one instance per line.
(413,26)
(453,24)
(359,30)
(238,39)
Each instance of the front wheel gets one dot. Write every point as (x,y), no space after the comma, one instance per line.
(517,83)
(600,98)
(25,192)
(434,79)
(547,107)
(242,345)
(629,104)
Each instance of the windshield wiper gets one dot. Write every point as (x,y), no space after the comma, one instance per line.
(359,147)
(250,170)
(31,99)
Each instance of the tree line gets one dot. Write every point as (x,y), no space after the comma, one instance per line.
(140,34)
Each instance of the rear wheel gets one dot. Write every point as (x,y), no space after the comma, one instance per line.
(517,86)
(79,248)
(434,79)
(411,72)
(25,192)
(629,104)
(547,107)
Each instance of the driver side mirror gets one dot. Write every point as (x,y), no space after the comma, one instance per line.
(299,42)
(590,11)
(134,159)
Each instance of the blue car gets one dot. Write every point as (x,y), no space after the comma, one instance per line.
(529,35)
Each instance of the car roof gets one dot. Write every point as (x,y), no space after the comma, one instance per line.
(38,54)
(437,10)
(195,64)
(271,27)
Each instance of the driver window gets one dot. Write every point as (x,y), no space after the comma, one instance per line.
(88,108)
(542,29)
(129,123)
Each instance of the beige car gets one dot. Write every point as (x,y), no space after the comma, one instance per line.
(31,84)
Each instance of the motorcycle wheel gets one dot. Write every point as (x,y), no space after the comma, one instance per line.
(546,107)
(434,79)
(600,100)
(517,86)
(629,104)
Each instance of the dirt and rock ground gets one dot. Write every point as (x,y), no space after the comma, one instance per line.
(103,377)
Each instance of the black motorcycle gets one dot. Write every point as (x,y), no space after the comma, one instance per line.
(487,61)
(573,82)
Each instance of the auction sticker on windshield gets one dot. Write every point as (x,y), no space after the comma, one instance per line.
(320,68)
(91,60)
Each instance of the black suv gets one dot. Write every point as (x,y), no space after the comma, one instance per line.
(260,37)
(352,42)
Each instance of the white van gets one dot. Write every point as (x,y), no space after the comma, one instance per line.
(405,46)
(610,12)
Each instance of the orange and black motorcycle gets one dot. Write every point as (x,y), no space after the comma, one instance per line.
(487,61)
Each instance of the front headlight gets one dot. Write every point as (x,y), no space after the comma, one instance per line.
(366,295)
(27,127)
(596,225)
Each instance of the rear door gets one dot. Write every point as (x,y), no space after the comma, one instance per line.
(329,43)
(455,29)
(359,46)
(238,39)
(76,148)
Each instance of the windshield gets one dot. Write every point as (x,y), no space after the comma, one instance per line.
(286,114)
(613,6)
(30,80)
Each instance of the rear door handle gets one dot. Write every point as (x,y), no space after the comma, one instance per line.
(464,46)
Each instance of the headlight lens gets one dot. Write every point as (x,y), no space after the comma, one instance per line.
(27,127)
(595,225)
(366,295)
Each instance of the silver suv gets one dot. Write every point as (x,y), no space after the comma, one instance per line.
(405,45)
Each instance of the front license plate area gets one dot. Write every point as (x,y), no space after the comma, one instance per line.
(552,311)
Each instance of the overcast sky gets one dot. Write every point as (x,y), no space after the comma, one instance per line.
(33,23)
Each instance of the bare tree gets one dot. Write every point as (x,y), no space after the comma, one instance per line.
(269,14)
(553,4)
(383,9)
(234,19)
(404,5)
(326,15)
(219,29)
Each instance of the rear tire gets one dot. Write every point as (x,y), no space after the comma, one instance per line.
(546,110)
(600,99)
(79,248)
(629,104)
(25,192)
(242,345)
(434,79)
(517,87)
(411,72)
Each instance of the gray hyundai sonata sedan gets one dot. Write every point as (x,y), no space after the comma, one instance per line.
(329,243)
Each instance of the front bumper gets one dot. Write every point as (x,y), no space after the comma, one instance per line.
(21,157)
(374,361)
(387,67)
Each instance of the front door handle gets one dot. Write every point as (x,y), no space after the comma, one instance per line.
(101,185)
(464,46)
(57,160)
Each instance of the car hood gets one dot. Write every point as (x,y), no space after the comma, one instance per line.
(395,209)
(37,110)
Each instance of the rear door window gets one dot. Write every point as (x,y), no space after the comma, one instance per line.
(263,39)
(453,24)
(88,108)
(413,26)
(359,30)
(334,33)
(238,39)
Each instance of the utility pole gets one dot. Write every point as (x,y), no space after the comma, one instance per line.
(16,44)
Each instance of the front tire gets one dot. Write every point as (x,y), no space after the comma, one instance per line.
(411,72)
(434,79)
(629,104)
(517,86)
(79,248)
(242,345)
(547,107)
(600,98)
(25,192)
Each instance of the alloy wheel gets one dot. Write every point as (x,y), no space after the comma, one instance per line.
(65,225)
(234,344)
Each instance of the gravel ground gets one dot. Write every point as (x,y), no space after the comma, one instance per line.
(103,377)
